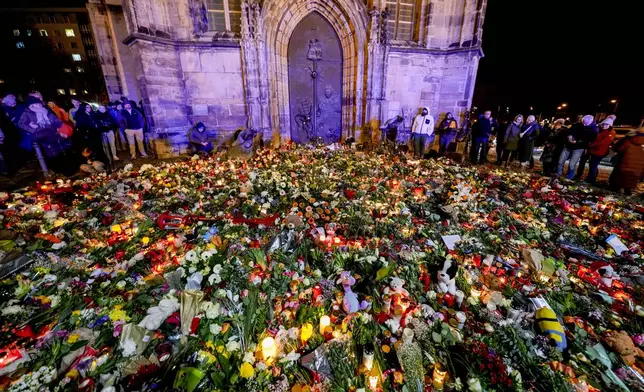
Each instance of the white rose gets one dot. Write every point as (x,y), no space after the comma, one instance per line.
(215,329)
(474,385)
(249,357)
(232,346)
(121,285)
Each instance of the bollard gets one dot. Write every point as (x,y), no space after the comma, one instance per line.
(41,160)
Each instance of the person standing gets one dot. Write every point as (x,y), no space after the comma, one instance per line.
(88,135)
(553,146)
(448,128)
(421,131)
(577,140)
(132,121)
(510,141)
(584,158)
(630,169)
(107,126)
(72,112)
(529,133)
(599,148)
(481,131)
(58,111)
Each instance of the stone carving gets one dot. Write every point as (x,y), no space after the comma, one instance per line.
(199,17)
(315,50)
(384,32)
(303,118)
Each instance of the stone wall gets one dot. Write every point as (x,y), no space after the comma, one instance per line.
(442,82)
(214,87)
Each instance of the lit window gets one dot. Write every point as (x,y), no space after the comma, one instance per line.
(1,81)
(74,45)
(20,45)
(29,32)
(70,33)
(224,15)
(61,91)
(85,92)
(400,23)
(76,57)
(43,33)
(16,33)
(80,69)
(67,70)
(72,91)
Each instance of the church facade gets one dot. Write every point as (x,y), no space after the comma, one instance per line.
(306,69)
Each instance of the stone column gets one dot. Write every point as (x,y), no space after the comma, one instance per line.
(378,50)
(254,62)
(99,15)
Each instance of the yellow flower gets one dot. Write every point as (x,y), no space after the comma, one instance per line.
(306,332)
(76,313)
(118,315)
(220,349)
(210,345)
(246,370)
(73,338)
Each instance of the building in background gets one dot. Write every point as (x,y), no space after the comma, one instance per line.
(307,68)
(51,50)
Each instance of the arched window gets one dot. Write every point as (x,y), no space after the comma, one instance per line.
(224,15)
(400,24)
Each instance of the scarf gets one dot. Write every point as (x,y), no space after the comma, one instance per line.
(42,118)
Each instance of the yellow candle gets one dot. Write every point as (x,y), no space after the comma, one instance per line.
(439,378)
(306,332)
(325,321)
(268,347)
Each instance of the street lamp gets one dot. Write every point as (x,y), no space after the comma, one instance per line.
(564,105)
(614,102)
(559,107)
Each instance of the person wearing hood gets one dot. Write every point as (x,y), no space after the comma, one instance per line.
(529,133)
(421,131)
(579,136)
(481,131)
(448,128)
(599,148)
(391,129)
(510,141)
(107,126)
(630,169)
(200,140)
(41,125)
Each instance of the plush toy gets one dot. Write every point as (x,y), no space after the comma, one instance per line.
(158,314)
(350,301)
(622,344)
(447,277)
(606,273)
(549,325)
(396,287)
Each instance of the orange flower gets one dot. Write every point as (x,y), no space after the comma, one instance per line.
(398,377)
(386,349)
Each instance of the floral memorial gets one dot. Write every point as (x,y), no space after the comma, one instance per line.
(319,269)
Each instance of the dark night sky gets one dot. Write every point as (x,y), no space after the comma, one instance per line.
(542,53)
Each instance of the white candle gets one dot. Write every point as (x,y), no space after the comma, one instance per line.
(325,321)
(268,347)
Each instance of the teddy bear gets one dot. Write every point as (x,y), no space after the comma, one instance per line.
(396,287)
(622,344)
(447,277)
(607,275)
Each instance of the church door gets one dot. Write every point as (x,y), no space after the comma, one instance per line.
(315,81)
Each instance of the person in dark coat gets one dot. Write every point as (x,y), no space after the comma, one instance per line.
(481,131)
(132,121)
(553,146)
(41,126)
(510,141)
(630,169)
(200,140)
(448,129)
(114,108)
(391,129)
(529,133)
(587,156)
(578,138)
(107,126)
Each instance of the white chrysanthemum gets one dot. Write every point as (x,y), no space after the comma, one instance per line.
(128,347)
(215,329)
(232,345)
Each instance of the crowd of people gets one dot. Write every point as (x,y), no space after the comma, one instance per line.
(580,144)
(85,137)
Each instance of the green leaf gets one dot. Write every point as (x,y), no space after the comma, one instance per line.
(78,344)
(436,337)
(384,272)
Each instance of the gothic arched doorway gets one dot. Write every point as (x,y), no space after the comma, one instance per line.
(315,81)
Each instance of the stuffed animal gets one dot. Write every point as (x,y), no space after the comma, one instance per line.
(622,344)
(447,277)
(396,287)
(606,274)
(350,301)
(158,314)
(549,325)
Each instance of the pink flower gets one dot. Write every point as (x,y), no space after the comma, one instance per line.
(638,339)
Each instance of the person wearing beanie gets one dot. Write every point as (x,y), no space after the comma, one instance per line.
(630,169)
(200,140)
(578,138)
(599,148)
